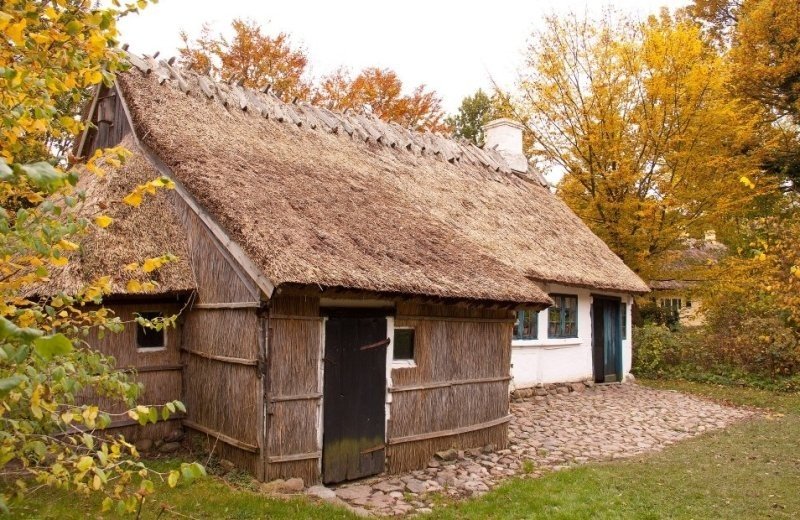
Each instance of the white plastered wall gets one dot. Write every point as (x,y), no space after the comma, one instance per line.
(544,360)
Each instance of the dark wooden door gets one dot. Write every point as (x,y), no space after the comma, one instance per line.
(607,340)
(354,396)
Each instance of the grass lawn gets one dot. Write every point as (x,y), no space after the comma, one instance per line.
(208,498)
(751,470)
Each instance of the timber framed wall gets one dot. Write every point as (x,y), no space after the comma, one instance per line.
(457,394)
(223,352)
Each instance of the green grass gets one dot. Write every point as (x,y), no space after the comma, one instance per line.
(782,402)
(208,498)
(750,470)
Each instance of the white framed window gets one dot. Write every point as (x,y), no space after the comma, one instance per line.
(403,347)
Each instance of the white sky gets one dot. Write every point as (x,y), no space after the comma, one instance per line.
(451,46)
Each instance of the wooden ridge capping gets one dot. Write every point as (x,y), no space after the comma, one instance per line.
(446,384)
(448,433)
(252,448)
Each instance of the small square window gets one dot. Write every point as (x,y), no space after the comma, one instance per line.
(562,317)
(403,345)
(526,326)
(147,337)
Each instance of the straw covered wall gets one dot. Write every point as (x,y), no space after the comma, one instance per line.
(457,394)
(295,341)
(158,369)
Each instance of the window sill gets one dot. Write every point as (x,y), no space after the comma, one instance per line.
(548,343)
(147,350)
(404,363)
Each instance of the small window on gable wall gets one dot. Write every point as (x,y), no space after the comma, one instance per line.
(526,326)
(403,345)
(147,337)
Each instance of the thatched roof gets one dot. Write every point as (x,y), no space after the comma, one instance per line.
(687,266)
(346,201)
(151,230)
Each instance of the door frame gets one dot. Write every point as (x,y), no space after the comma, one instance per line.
(618,362)
(350,309)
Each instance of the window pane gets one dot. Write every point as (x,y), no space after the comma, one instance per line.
(404,344)
(525,326)
(570,317)
(147,337)
(554,319)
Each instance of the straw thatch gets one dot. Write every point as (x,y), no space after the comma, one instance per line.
(151,230)
(318,198)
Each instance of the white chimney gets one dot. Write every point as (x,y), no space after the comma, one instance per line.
(505,135)
(711,236)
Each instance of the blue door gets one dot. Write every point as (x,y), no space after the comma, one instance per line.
(606,339)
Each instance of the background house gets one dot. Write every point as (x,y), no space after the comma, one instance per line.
(685,269)
(347,287)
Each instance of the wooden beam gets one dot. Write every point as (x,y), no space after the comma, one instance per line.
(252,448)
(450,318)
(299,397)
(447,384)
(155,368)
(233,250)
(298,318)
(448,433)
(227,305)
(222,359)
(295,457)
(84,134)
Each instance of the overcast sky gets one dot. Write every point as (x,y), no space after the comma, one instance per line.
(452,47)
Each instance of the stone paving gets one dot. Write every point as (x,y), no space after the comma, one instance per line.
(547,433)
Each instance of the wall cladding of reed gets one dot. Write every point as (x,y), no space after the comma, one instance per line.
(467,344)
(160,375)
(217,280)
(294,352)
(415,455)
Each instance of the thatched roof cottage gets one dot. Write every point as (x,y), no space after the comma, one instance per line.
(350,287)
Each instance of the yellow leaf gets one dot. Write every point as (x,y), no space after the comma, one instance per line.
(172,480)
(14,32)
(151,264)
(60,261)
(67,245)
(5,19)
(133,286)
(103,221)
(133,199)
(67,417)
(132,266)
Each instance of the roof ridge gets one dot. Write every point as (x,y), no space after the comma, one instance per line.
(362,126)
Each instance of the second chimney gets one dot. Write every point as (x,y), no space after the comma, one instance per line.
(505,135)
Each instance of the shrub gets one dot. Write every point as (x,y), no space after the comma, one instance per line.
(653,314)
(655,348)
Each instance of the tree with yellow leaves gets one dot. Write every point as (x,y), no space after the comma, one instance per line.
(50,54)
(638,118)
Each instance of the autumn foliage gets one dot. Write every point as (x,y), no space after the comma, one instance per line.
(258,60)
(52,55)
